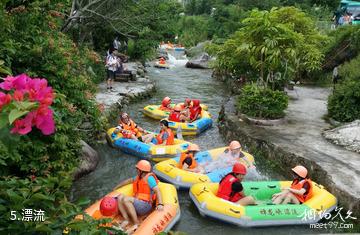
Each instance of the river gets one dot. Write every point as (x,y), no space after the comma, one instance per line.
(114,166)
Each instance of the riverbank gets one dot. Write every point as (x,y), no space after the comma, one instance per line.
(299,141)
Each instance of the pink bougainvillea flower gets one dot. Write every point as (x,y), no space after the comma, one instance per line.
(44,121)
(20,82)
(4,99)
(23,126)
(18,95)
(7,84)
(38,90)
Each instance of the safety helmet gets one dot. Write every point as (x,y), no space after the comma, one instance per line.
(178,108)
(239,168)
(143,165)
(234,145)
(193,147)
(300,171)
(166,101)
(187,100)
(108,206)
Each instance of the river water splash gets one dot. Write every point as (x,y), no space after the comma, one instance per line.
(114,166)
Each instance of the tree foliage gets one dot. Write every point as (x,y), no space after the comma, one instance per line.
(277,44)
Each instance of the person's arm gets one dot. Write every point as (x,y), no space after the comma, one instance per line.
(124,182)
(160,205)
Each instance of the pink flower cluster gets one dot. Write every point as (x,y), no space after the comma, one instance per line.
(33,90)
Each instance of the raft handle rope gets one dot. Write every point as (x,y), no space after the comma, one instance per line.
(271,186)
(235,211)
(254,188)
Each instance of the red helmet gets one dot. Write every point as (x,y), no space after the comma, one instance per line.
(166,101)
(108,206)
(300,171)
(144,165)
(239,168)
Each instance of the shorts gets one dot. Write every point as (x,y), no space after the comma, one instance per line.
(110,75)
(142,207)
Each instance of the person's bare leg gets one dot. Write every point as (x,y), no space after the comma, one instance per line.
(279,198)
(147,138)
(123,212)
(249,200)
(129,204)
(290,198)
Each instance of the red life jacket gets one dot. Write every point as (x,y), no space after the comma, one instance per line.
(195,109)
(296,184)
(174,116)
(169,140)
(142,190)
(224,190)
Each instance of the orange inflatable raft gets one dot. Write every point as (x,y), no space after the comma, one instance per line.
(156,221)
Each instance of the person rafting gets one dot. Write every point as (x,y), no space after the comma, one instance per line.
(166,104)
(299,191)
(229,188)
(162,60)
(176,114)
(130,130)
(166,136)
(195,110)
(145,194)
(187,159)
(228,158)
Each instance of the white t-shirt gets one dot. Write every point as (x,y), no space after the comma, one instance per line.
(111,63)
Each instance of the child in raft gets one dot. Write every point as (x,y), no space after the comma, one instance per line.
(166,104)
(299,191)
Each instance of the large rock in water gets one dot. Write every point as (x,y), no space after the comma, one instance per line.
(347,136)
(199,62)
(89,161)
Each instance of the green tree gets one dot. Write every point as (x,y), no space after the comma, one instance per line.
(278,44)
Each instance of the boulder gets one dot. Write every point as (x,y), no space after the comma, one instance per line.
(88,162)
(347,135)
(200,62)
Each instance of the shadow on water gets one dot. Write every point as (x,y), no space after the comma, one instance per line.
(114,166)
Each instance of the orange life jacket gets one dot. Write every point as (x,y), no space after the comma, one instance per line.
(141,188)
(130,127)
(169,140)
(224,190)
(184,156)
(174,116)
(296,184)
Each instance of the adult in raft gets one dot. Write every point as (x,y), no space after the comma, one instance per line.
(145,193)
(166,136)
(229,186)
(166,104)
(130,130)
(299,191)
(187,159)
(195,111)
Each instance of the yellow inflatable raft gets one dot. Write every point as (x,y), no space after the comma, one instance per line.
(168,170)
(156,221)
(152,152)
(265,213)
(154,112)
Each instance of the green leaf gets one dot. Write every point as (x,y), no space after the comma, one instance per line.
(3,120)
(41,196)
(83,201)
(15,114)
(43,228)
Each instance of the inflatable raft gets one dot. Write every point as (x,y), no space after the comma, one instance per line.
(155,153)
(156,221)
(154,112)
(168,170)
(265,213)
(161,66)
(193,128)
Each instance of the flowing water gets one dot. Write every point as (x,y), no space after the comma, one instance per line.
(178,83)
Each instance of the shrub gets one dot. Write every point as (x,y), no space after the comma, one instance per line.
(343,104)
(262,103)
